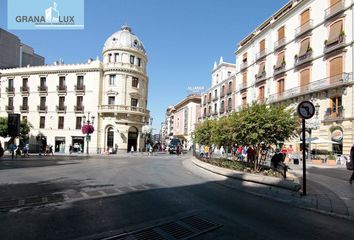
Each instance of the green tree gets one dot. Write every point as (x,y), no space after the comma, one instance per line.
(203,131)
(3,126)
(25,128)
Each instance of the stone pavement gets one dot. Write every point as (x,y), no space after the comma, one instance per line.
(325,194)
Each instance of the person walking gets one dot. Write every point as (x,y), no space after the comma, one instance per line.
(222,151)
(352,162)
(1,150)
(206,151)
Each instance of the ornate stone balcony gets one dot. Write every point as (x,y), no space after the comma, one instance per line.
(333,114)
(25,90)
(123,109)
(9,109)
(24,109)
(280,43)
(80,89)
(79,109)
(307,57)
(62,89)
(42,108)
(61,109)
(10,90)
(306,27)
(342,80)
(334,9)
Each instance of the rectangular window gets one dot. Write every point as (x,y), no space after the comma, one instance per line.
(281,33)
(11,83)
(135,82)
(79,100)
(134,102)
(61,102)
(132,59)
(261,93)
(61,82)
(305,17)
(43,82)
(262,45)
(116,57)
(112,80)
(43,100)
(11,102)
(24,83)
(25,102)
(111,100)
(80,82)
(139,62)
(61,123)
(281,86)
(78,122)
(244,57)
(42,122)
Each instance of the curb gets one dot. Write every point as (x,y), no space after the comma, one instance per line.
(266,180)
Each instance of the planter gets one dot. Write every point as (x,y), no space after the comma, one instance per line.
(317,161)
(331,162)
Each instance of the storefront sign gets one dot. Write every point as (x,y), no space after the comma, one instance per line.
(337,135)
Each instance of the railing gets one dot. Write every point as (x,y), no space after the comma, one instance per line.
(24,89)
(124,65)
(80,88)
(243,86)
(280,43)
(24,109)
(334,114)
(334,9)
(261,54)
(279,69)
(79,108)
(307,26)
(42,108)
(243,65)
(338,43)
(303,59)
(9,108)
(61,89)
(222,110)
(260,77)
(122,108)
(10,89)
(344,79)
(42,89)
(61,109)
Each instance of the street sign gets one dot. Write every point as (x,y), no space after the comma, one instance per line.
(13,124)
(88,138)
(306,109)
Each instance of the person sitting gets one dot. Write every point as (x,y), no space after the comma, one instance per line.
(277,161)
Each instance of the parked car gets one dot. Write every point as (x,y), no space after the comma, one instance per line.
(172,148)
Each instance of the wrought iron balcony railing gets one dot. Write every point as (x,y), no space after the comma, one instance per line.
(62,89)
(307,57)
(280,43)
(304,28)
(79,108)
(9,108)
(334,45)
(243,65)
(42,108)
(334,114)
(261,54)
(279,69)
(334,9)
(260,77)
(61,109)
(243,86)
(24,109)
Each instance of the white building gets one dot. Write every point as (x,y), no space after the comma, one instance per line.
(55,98)
(304,51)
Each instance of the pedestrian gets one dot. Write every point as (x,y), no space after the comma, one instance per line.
(351,163)
(234,151)
(18,151)
(201,151)
(206,151)
(1,150)
(12,148)
(284,151)
(132,149)
(25,150)
(70,149)
(51,150)
(250,154)
(290,151)
(222,151)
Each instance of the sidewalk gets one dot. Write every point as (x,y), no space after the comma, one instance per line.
(325,194)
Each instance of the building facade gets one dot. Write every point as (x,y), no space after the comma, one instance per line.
(219,99)
(181,120)
(304,52)
(55,98)
(16,54)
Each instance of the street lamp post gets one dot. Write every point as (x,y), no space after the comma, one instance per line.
(87,128)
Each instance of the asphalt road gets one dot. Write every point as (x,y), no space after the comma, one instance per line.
(148,191)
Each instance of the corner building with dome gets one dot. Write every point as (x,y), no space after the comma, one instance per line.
(57,98)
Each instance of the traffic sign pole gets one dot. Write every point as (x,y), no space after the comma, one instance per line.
(303,158)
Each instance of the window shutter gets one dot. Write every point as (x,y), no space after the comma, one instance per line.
(335,67)
(262,45)
(305,77)
(280,59)
(305,44)
(305,17)
(334,32)
(261,68)
(281,33)
(332,2)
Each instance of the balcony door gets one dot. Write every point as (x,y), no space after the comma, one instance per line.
(336,69)
(336,106)
(304,17)
(304,80)
(280,88)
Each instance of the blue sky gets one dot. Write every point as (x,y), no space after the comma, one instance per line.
(183,38)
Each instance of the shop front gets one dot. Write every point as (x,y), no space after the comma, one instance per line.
(78,144)
(59,144)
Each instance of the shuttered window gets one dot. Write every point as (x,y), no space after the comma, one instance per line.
(261,68)
(332,2)
(261,93)
(334,32)
(304,45)
(244,57)
(335,69)
(281,33)
(244,77)
(305,17)
(262,45)
(305,77)
(281,86)
(280,59)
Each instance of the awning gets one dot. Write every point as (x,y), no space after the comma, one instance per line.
(334,32)
(304,46)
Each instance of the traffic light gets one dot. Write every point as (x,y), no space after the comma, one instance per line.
(13,124)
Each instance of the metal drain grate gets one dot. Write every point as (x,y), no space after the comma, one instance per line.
(175,230)
(184,228)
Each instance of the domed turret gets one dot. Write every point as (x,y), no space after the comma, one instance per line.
(124,38)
